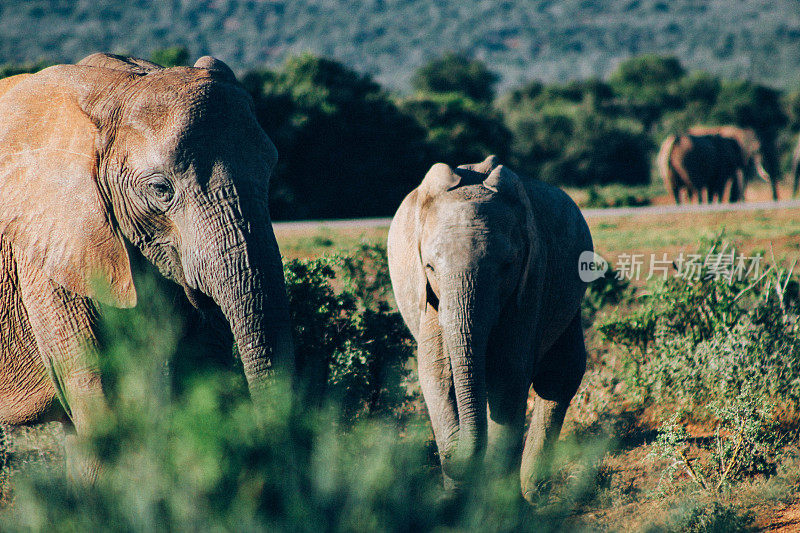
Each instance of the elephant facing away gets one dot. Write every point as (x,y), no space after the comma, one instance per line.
(484,269)
(709,166)
(752,153)
(119,151)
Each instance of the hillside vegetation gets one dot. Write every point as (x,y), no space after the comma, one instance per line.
(522,39)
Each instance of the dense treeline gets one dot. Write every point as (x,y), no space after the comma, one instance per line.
(350,148)
(553,40)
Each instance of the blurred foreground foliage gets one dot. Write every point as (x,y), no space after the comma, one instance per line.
(327,453)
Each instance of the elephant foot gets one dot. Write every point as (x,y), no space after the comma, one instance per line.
(536,492)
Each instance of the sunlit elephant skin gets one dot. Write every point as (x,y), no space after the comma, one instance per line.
(485,272)
(119,151)
(750,147)
(709,167)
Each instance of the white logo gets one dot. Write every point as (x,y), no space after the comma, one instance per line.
(591,266)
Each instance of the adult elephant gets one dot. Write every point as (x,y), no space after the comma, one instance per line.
(751,150)
(485,273)
(710,166)
(117,149)
(795,173)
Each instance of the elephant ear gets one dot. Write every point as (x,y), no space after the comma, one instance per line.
(506,183)
(51,207)
(216,66)
(439,179)
(484,167)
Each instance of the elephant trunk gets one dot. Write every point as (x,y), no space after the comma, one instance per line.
(465,335)
(245,279)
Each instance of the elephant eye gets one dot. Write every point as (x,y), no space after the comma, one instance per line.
(430,268)
(161,189)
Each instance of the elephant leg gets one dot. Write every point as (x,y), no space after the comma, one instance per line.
(507,426)
(436,382)
(729,191)
(557,378)
(63,326)
(507,387)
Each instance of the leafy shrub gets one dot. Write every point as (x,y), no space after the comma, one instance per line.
(716,518)
(701,337)
(605,291)
(172,56)
(597,199)
(12,69)
(459,130)
(349,343)
(746,441)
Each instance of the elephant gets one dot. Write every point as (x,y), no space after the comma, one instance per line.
(751,149)
(484,269)
(795,172)
(115,154)
(709,165)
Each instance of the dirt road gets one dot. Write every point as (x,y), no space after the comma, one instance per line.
(588,213)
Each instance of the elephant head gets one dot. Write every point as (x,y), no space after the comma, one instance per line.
(750,146)
(475,237)
(171,160)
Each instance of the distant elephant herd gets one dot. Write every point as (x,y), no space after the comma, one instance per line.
(113,154)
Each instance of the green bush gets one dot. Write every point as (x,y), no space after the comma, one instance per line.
(701,337)
(718,350)
(746,441)
(349,344)
(609,290)
(716,518)
(198,459)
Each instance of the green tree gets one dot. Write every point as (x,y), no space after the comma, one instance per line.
(459,130)
(345,148)
(647,86)
(456,73)
(575,134)
(173,56)
(647,71)
(751,105)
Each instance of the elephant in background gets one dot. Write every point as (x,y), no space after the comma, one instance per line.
(118,152)
(710,166)
(795,173)
(751,151)
(485,272)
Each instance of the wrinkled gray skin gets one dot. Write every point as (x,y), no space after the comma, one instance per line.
(710,167)
(485,273)
(118,149)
